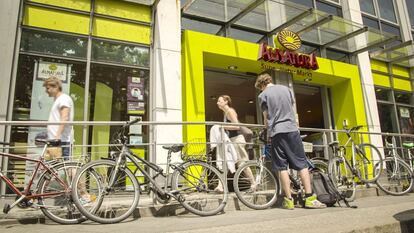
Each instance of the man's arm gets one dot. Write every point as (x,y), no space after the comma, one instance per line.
(64,116)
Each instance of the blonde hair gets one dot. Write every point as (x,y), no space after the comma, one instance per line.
(53,82)
(262,80)
(226,98)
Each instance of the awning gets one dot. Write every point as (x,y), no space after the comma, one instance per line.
(268,17)
(401,54)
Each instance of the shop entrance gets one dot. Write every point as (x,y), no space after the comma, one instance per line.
(239,86)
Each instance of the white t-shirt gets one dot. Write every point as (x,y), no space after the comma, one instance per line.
(62,101)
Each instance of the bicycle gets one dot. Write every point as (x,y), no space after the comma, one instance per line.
(192,183)
(344,171)
(53,190)
(397,176)
(263,194)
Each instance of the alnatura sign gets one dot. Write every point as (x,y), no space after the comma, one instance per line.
(287,55)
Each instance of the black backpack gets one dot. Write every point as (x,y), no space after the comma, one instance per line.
(326,191)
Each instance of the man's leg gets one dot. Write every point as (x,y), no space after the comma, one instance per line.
(305,178)
(285,180)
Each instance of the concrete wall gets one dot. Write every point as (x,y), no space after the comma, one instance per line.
(166,75)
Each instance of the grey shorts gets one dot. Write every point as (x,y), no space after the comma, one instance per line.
(287,152)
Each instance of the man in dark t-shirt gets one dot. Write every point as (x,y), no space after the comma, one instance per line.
(287,150)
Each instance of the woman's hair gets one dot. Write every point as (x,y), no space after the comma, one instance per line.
(226,98)
(262,80)
(53,82)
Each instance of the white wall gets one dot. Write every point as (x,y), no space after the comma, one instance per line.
(166,75)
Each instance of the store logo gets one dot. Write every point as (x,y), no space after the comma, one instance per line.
(53,67)
(287,55)
(289,40)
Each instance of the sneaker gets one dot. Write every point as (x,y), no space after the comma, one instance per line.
(288,203)
(313,203)
(86,199)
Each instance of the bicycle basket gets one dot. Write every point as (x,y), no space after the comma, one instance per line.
(194,149)
(308,147)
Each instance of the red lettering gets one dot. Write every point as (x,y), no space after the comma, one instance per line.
(313,62)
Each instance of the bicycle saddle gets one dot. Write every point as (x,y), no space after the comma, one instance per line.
(408,145)
(174,148)
(49,142)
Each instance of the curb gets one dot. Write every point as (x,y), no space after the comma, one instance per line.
(146,208)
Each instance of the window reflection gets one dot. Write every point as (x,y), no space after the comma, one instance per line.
(121,53)
(386,9)
(54,44)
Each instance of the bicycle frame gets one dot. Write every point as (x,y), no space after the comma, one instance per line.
(128,154)
(40,165)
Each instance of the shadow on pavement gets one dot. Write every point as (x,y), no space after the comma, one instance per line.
(406,220)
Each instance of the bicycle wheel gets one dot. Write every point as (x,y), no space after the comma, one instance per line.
(342,177)
(196,183)
(367,170)
(320,164)
(263,193)
(396,177)
(60,207)
(99,202)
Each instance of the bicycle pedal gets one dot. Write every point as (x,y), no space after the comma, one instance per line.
(6,208)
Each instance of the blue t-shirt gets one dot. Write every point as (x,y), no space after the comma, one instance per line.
(278,101)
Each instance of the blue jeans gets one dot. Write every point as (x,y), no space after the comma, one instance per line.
(66,148)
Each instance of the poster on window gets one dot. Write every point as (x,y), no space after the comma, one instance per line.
(136,108)
(135,89)
(404,112)
(41,104)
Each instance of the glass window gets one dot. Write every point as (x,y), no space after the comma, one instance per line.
(338,56)
(199,26)
(329,9)
(367,6)
(308,49)
(383,94)
(410,8)
(390,29)
(308,3)
(406,119)
(387,118)
(403,97)
(117,94)
(32,103)
(120,53)
(370,22)
(54,44)
(386,10)
(244,35)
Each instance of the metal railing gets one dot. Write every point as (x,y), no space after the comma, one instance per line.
(154,152)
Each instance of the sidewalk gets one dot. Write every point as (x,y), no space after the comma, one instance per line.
(382,214)
(146,208)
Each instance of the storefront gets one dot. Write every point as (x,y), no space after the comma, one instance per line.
(203,51)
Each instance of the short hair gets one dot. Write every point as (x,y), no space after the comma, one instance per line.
(226,98)
(262,80)
(53,82)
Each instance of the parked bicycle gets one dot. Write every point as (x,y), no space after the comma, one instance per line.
(361,164)
(114,184)
(53,190)
(397,176)
(263,194)
(409,146)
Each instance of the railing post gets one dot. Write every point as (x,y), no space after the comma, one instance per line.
(223,152)
(325,146)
